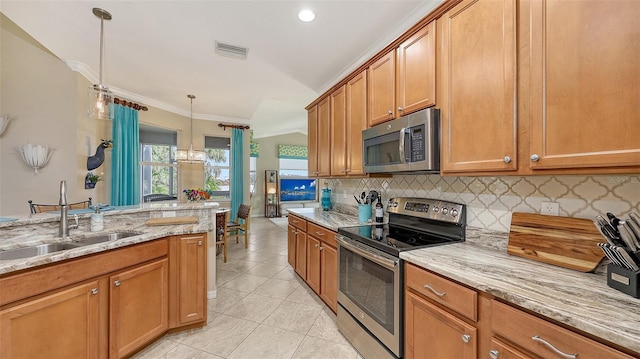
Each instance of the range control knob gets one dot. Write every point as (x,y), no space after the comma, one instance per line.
(454,212)
(445,210)
(436,209)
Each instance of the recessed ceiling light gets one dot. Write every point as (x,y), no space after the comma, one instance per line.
(306,15)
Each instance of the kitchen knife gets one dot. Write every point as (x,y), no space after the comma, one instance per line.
(627,237)
(634,216)
(609,230)
(607,252)
(627,258)
(604,235)
(614,221)
(634,230)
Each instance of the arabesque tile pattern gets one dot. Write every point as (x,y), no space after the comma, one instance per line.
(491,200)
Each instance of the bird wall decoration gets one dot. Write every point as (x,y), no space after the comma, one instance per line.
(96,160)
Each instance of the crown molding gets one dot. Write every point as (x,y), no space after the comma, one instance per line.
(302,131)
(88,74)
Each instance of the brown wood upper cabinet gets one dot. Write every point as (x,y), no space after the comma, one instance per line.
(348,119)
(585,88)
(319,121)
(403,80)
(478,87)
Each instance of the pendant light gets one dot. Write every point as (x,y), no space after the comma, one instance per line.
(191,155)
(100,98)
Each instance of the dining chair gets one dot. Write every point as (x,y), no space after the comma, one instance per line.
(39,208)
(221,233)
(240,227)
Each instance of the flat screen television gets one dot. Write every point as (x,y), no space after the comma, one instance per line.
(298,190)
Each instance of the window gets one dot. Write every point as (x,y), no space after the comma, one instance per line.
(293,167)
(158,167)
(217,169)
(252,175)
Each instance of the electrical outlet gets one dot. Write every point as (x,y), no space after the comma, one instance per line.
(550,208)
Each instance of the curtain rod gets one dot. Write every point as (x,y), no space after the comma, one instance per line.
(225,125)
(133,105)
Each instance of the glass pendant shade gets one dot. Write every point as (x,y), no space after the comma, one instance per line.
(100,100)
(191,155)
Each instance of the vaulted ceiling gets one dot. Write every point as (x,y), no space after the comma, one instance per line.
(157,52)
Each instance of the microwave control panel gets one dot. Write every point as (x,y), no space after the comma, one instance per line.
(416,134)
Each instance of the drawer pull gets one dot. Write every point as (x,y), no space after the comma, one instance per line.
(439,294)
(199,243)
(466,338)
(559,352)
(319,234)
(494,354)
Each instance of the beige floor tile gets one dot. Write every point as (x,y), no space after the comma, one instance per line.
(157,349)
(277,259)
(286,274)
(220,337)
(270,249)
(268,342)
(265,270)
(235,265)
(277,288)
(314,348)
(253,256)
(223,276)
(245,282)
(226,298)
(295,317)
(305,296)
(254,307)
(185,352)
(325,328)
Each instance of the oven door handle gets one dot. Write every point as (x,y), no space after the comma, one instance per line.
(385,262)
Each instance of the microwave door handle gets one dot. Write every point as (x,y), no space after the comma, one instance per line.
(401,146)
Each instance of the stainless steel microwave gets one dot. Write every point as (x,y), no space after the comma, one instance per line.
(409,143)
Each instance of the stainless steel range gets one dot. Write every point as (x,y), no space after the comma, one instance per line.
(371,273)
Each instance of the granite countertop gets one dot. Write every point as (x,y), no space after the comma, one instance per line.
(580,300)
(41,229)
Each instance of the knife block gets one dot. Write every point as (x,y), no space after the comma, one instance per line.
(624,280)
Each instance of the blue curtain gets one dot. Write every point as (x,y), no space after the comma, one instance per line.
(237,171)
(125,168)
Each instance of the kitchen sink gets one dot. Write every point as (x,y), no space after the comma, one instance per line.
(32,251)
(102,238)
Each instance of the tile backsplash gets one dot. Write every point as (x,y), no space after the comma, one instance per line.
(490,200)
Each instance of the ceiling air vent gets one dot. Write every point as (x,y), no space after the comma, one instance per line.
(236,52)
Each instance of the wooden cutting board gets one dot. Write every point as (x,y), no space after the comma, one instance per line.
(562,241)
(166,221)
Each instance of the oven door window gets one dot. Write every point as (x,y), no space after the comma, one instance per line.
(368,285)
(382,150)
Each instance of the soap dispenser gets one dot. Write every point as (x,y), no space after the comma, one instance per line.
(97,220)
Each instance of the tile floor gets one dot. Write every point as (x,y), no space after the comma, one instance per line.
(263,310)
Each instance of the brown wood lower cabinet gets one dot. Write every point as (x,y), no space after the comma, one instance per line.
(106,305)
(64,324)
(313,255)
(431,332)
(139,307)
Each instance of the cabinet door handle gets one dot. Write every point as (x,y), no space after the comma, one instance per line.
(556,350)
(390,113)
(316,245)
(321,248)
(494,354)
(200,243)
(94,291)
(466,338)
(439,294)
(400,109)
(507,159)
(117,283)
(535,157)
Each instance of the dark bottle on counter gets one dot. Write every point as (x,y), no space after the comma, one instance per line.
(379,211)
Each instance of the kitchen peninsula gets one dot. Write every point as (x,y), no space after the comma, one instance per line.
(114,297)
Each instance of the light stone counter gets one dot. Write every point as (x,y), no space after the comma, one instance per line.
(43,228)
(580,300)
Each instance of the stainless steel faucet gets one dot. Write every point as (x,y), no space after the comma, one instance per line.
(63,229)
